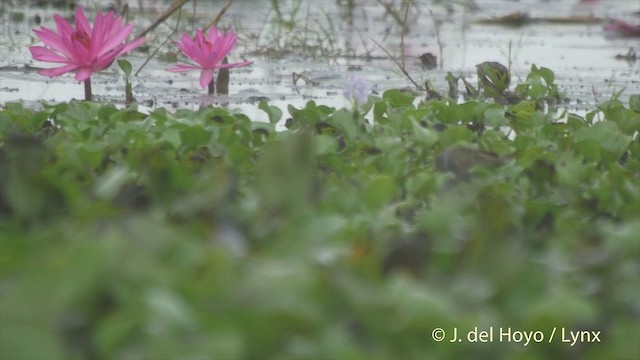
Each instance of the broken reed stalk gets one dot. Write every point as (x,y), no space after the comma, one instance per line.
(398,64)
(161,45)
(175,7)
(389,10)
(436,26)
(214,21)
(509,67)
(404,30)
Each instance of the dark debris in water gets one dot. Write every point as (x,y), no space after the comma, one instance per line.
(518,18)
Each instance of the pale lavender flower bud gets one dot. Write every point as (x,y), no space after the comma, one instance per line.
(357,89)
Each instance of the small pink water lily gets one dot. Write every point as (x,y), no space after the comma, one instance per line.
(208,52)
(84,49)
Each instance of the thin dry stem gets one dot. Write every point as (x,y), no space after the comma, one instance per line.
(404,31)
(161,45)
(436,26)
(175,7)
(214,21)
(399,65)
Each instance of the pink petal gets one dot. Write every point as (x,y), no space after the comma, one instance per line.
(83,74)
(132,45)
(71,49)
(54,41)
(212,60)
(228,44)
(200,36)
(98,34)
(206,76)
(57,71)
(186,38)
(51,38)
(116,39)
(213,34)
(83,55)
(81,21)
(103,62)
(41,53)
(183,68)
(115,23)
(235,65)
(64,28)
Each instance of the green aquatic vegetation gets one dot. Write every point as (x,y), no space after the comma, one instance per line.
(353,233)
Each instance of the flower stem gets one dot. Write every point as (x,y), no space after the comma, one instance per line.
(212,88)
(87,90)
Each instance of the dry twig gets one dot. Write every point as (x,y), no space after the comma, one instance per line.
(404,71)
(175,7)
(214,21)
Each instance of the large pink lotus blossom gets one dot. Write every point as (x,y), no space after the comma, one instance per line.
(83,49)
(208,52)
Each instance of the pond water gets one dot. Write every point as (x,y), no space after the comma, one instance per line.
(327,40)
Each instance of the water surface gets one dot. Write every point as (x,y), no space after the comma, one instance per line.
(326,40)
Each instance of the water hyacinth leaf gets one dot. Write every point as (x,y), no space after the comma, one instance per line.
(379,191)
(172,136)
(142,234)
(109,184)
(125,66)
(634,102)
(397,98)
(17,342)
(91,155)
(544,73)
(623,238)
(380,112)
(607,135)
(627,120)
(537,91)
(274,112)
(418,306)
(324,144)
(343,118)
(455,134)
(522,143)
(494,116)
(425,136)
(413,116)
(239,154)
(195,136)
(467,111)
(169,309)
(561,305)
(446,225)
(590,149)
(445,114)
(576,122)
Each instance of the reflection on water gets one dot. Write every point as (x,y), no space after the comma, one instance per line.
(326,41)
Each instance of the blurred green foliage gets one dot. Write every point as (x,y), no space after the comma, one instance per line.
(202,234)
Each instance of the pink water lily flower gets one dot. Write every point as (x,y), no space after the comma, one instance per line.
(83,49)
(208,52)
